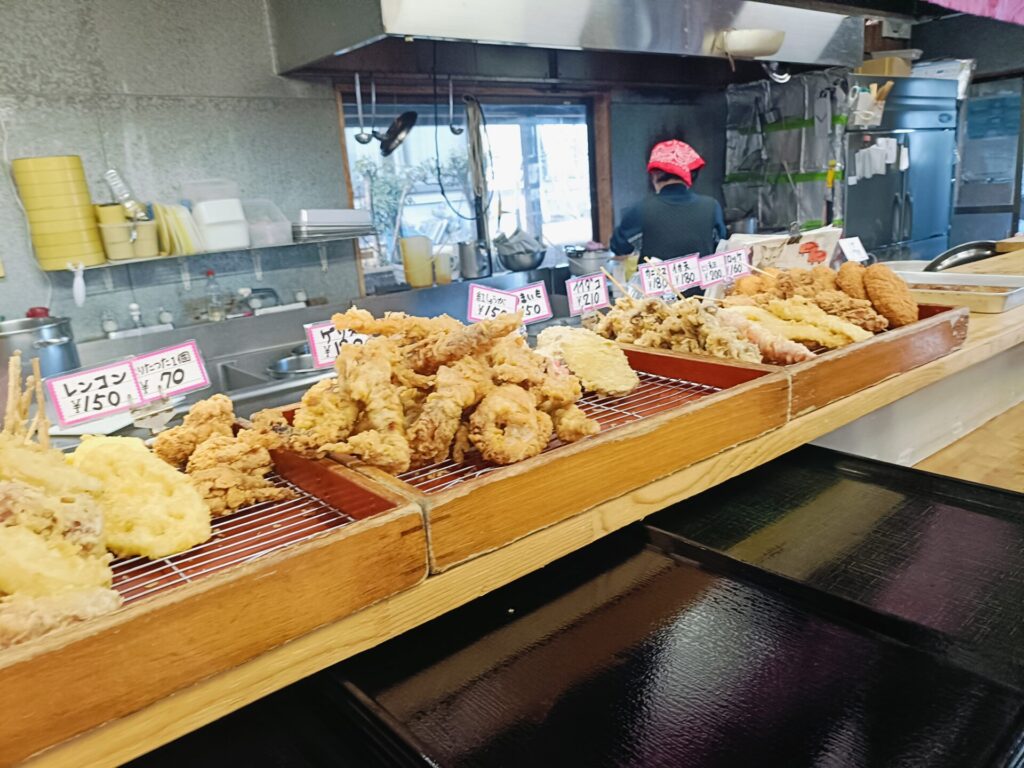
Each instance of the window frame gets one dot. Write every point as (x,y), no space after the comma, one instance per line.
(598,120)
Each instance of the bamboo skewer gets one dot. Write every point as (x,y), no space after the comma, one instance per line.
(13,392)
(44,420)
(615,282)
(20,396)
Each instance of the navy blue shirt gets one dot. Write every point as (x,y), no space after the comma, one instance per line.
(675,222)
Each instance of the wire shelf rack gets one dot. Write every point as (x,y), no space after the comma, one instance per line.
(654,395)
(248,534)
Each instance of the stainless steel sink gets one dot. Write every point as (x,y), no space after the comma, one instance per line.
(245,379)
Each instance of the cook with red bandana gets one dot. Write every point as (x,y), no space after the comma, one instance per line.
(674,221)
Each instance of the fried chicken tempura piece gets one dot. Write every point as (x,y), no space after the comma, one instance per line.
(796,282)
(23,617)
(221,451)
(269,429)
(396,324)
(226,490)
(507,427)
(326,414)
(856,311)
(461,445)
(468,340)
(890,295)
(850,280)
(748,284)
(801,310)
(213,416)
(572,424)
(823,279)
(458,387)
(366,373)
(775,348)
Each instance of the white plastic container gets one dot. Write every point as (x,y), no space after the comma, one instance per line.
(222,224)
(267,225)
(210,189)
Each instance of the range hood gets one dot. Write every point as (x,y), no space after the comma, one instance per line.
(308,31)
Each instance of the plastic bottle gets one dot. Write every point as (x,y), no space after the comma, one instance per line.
(214,298)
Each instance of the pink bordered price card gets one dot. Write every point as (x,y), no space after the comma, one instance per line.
(93,393)
(325,342)
(587,293)
(712,269)
(534,303)
(737,263)
(485,303)
(654,279)
(171,371)
(684,273)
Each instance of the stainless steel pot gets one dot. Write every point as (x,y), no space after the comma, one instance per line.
(473,261)
(48,338)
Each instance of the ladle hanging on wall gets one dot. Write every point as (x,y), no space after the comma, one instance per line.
(362,137)
(392,138)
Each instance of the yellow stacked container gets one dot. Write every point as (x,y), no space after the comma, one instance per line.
(59,209)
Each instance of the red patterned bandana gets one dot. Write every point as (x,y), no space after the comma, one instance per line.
(677,158)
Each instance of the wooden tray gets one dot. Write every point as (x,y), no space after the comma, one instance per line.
(273,572)
(841,372)
(684,411)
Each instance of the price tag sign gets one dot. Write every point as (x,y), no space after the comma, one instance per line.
(737,263)
(853,249)
(684,273)
(485,303)
(587,293)
(712,269)
(654,279)
(533,301)
(325,342)
(172,371)
(94,393)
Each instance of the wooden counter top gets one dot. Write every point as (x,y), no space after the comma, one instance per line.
(121,740)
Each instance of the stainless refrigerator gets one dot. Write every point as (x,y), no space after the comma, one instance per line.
(905,212)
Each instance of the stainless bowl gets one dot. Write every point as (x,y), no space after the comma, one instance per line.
(965,253)
(521,262)
(291,367)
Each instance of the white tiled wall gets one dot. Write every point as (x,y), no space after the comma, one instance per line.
(164,92)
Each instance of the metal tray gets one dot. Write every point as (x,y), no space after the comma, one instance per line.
(976,301)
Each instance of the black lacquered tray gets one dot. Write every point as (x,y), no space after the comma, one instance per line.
(629,655)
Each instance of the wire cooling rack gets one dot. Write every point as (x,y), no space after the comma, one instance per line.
(248,534)
(654,395)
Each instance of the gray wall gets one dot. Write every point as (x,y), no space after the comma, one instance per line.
(637,121)
(996,46)
(165,92)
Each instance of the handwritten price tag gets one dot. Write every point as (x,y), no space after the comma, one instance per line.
(485,303)
(654,279)
(171,371)
(684,273)
(325,342)
(712,269)
(587,293)
(533,301)
(94,393)
(737,263)
(853,249)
